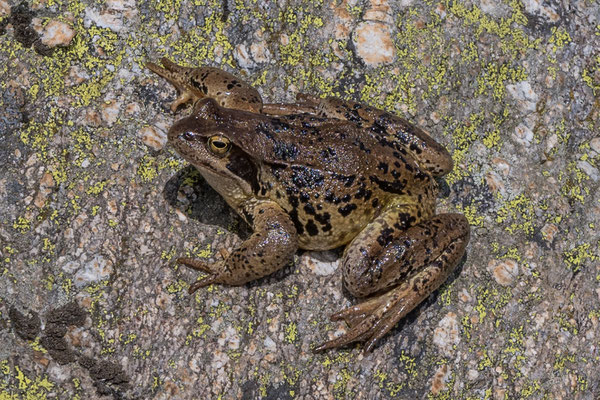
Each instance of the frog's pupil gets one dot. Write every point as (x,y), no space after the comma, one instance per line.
(219,145)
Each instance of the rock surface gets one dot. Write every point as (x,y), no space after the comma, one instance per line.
(95,208)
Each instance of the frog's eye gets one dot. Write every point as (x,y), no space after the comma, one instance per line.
(219,145)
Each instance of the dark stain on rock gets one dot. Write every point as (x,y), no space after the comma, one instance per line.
(21,17)
(109,378)
(26,327)
(56,328)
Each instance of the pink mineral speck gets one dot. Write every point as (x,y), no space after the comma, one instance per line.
(57,33)
(373,42)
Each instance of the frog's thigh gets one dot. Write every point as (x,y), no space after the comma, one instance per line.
(382,256)
(410,267)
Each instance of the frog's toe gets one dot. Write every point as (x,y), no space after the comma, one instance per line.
(355,314)
(370,320)
(369,326)
(196,264)
(210,268)
(357,333)
(202,282)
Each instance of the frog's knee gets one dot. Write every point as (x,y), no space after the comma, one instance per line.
(358,278)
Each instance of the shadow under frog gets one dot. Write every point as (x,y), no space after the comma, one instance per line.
(316,175)
(205,205)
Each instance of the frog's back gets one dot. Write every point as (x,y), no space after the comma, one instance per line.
(333,179)
(331,176)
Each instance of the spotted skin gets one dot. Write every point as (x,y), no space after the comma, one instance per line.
(319,174)
(194,84)
(269,248)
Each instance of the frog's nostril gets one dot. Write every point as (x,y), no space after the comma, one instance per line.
(188,135)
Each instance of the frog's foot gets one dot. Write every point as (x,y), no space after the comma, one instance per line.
(174,74)
(269,248)
(371,320)
(209,268)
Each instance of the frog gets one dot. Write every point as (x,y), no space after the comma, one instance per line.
(318,174)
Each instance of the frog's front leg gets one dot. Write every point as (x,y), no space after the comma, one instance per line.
(400,268)
(268,249)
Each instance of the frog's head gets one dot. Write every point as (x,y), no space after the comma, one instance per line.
(203,141)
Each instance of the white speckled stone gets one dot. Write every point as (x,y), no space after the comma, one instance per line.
(595,144)
(57,33)
(95,270)
(373,42)
(242,56)
(504,271)
(103,20)
(523,135)
(270,344)
(4,8)
(524,94)
(320,263)
(153,137)
(446,334)
(542,9)
(110,112)
(589,170)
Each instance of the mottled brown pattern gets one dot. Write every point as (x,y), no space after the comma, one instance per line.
(319,174)
(197,83)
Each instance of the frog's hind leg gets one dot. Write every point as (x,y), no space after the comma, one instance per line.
(194,84)
(305,104)
(403,273)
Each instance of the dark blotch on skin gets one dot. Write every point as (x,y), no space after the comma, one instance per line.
(293,201)
(323,219)
(385,237)
(306,177)
(347,179)
(331,198)
(327,153)
(347,209)
(309,209)
(294,217)
(391,187)
(383,167)
(199,85)
(415,148)
(311,228)
(285,151)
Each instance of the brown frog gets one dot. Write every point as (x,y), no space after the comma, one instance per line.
(315,175)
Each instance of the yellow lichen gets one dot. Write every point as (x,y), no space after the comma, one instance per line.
(291,332)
